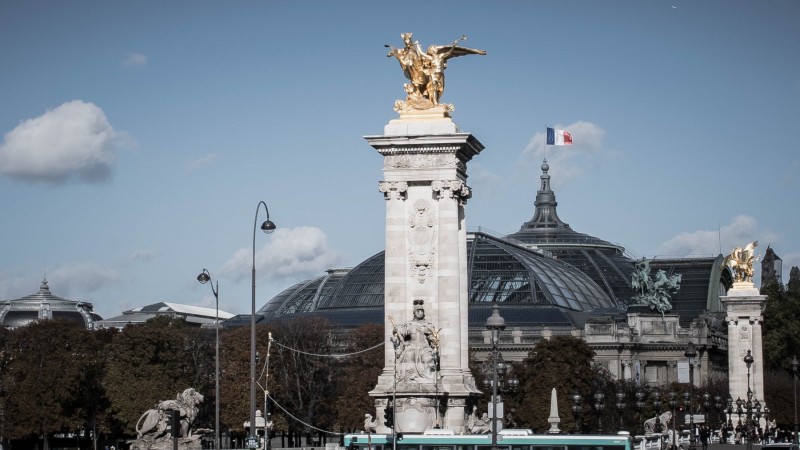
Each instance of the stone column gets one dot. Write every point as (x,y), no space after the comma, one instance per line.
(744,306)
(425,173)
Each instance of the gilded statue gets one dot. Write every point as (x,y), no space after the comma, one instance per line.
(741,262)
(654,293)
(425,71)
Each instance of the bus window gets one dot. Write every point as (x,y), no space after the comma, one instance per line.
(437,447)
(491,447)
(549,447)
(595,447)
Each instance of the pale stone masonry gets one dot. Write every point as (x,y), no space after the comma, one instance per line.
(745,308)
(425,173)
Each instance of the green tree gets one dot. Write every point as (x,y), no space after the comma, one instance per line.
(563,363)
(357,375)
(304,378)
(53,370)
(234,380)
(781,329)
(155,361)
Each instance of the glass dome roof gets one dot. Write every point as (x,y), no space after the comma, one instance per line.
(604,262)
(499,270)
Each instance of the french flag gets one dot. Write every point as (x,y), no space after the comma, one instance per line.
(558,137)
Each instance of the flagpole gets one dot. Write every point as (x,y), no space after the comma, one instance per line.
(545,141)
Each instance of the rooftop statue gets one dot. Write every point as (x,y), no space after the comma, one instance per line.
(154,429)
(741,262)
(654,293)
(416,346)
(425,71)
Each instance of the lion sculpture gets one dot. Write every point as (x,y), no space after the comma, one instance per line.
(152,426)
(663,420)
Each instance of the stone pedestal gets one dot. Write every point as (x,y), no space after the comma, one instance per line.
(745,306)
(425,172)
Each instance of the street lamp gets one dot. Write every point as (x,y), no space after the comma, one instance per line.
(620,407)
(718,407)
(795,364)
(204,278)
(576,409)
(673,403)
(265,388)
(640,395)
(691,354)
(748,360)
(495,323)
(599,405)
(267,227)
(657,405)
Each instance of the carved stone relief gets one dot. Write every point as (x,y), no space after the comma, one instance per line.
(422,240)
(393,190)
(452,189)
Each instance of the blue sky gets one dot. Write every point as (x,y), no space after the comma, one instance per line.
(139,137)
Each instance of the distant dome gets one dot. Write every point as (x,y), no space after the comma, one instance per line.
(602,261)
(532,287)
(45,305)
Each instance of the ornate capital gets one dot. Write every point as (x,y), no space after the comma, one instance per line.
(451,189)
(393,189)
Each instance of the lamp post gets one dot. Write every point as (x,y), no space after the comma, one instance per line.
(265,388)
(599,405)
(640,395)
(748,360)
(620,407)
(691,354)
(495,323)
(204,278)
(795,364)
(267,227)
(657,405)
(673,403)
(729,411)
(576,409)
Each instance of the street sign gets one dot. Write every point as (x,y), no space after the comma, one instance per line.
(251,442)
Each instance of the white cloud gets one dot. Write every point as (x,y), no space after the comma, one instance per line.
(202,161)
(135,60)
(742,230)
(82,277)
(587,138)
(72,141)
(290,253)
(144,255)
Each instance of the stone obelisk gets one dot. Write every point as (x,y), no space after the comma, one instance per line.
(426,377)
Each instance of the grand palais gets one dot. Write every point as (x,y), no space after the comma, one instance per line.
(548,279)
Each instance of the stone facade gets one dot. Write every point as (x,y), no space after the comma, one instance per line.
(425,189)
(745,308)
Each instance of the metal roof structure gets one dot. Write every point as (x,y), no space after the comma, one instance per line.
(44,305)
(193,314)
(545,275)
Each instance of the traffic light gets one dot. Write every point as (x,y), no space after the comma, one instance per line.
(388,416)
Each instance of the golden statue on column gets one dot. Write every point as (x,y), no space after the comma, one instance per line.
(425,72)
(741,262)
